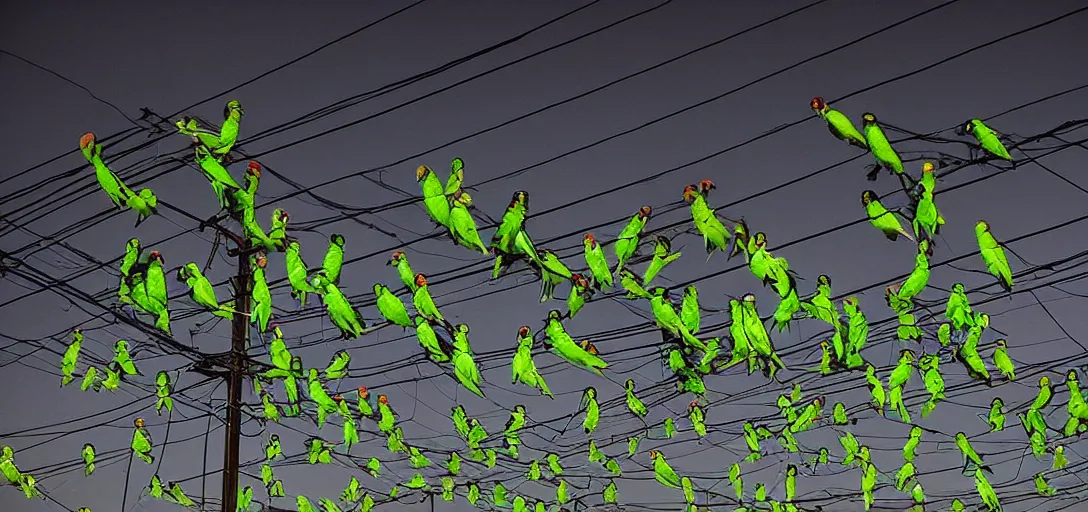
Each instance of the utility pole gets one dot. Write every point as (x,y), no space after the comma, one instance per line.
(239,337)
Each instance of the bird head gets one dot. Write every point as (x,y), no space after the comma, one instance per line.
(588,239)
(521,197)
(363,393)
(629,383)
(760,239)
(690,193)
(233,106)
(284,216)
(155,255)
(253,169)
(1071,376)
(867,197)
(262,261)
(524,331)
(824,345)
(87,140)
(693,404)
(139,423)
(421,280)
(337,239)
(868,118)
(644,212)
(383,400)
(654,454)
(337,398)
(421,172)
(927,167)
(1044,381)
(706,186)
(824,279)
(395,259)
(817,104)
(378,288)
(461,328)
(966,128)
(982,227)
(553,315)
(588,347)
(749,298)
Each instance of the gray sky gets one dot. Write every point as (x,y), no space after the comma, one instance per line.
(166,57)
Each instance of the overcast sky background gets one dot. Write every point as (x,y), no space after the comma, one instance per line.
(167,56)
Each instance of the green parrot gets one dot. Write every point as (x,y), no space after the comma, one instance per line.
(883,219)
(876,389)
(243,200)
(661,258)
(592,408)
(1042,485)
(466,371)
(429,340)
(434,196)
(552,273)
(630,235)
(391,307)
(163,390)
(993,255)
(958,309)
(463,227)
(633,286)
(986,137)
(1002,360)
(338,365)
(144,203)
(319,451)
(179,495)
(424,304)
(151,295)
(736,480)
(882,151)
(71,357)
(934,382)
(340,311)
(202,292)
(690,310)
(697,417)
(260,295)
(112,185)
(87,454)
(610,494)
(513,221)
(908,328)
(123,359)
(297,273)
(223,184)
(663,472)
(715,234)
(996,418)
(404,270)
(333,261)
(597,262)
(927,219)
(523,369)
(668,320)
(911,446)
(561,344)
(316,390)
(757,335)
(838,124)
(633,403)
(868,483)
(580,292)
(919,277)
(986,492)
(277,231)
(970,456)
(129,261)
(141,442)
(219,143)
(819,305)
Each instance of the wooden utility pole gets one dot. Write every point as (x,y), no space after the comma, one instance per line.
(238,341)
